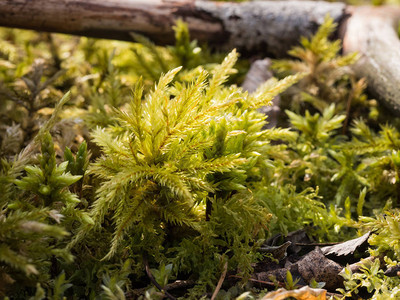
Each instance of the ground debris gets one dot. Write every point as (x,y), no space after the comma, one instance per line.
(313,265)
(348,247)
(305,293)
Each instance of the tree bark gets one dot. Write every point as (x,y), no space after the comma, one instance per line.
(372,32)
(262,28)
(270,28)
(113,19)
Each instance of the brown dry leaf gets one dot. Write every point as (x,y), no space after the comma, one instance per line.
(305,293)
(313,265)
(316,265)
(277,252)
(348,247)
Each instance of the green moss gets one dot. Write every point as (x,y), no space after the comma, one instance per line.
(159,158)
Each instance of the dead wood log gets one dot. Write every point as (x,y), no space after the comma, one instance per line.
(265,28)
(372,32)
(258,73)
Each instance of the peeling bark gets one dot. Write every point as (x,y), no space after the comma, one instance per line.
(271,28)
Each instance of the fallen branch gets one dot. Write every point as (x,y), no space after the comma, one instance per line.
(154,281)
(220,282)
(262,282)
(372,31)
(356,267)
(263,28)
